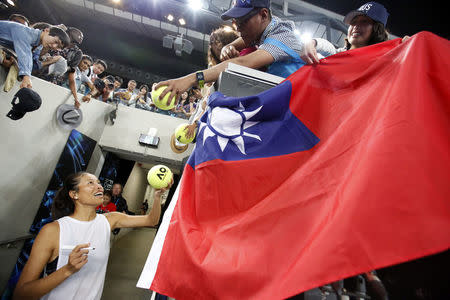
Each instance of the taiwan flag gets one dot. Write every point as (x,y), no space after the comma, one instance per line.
(341,169)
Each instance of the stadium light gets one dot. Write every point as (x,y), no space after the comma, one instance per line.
(181,21)
(170,17)
(306,37)
(228,28)
(195,4)
(116,1)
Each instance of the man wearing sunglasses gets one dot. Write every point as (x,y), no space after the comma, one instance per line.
(277,46)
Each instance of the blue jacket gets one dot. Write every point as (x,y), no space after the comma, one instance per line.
(22,39)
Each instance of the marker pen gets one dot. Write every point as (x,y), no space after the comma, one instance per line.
(72,247)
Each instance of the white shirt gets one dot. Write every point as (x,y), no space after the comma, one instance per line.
(86,284)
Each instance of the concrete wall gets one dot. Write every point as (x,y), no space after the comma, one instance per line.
(135,188)
(130,123)
(30,150)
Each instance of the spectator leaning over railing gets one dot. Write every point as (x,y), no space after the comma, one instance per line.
(22,39)
(103,90)
(48,64)
(96,69)
(40,59)
(73,53)
(75,77)
(278,47)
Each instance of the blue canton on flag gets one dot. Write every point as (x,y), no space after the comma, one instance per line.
(251,127)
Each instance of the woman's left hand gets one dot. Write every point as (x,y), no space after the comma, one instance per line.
(159,192)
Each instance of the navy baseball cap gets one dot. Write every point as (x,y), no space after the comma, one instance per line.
(28,100)
(373,10)
(243,7)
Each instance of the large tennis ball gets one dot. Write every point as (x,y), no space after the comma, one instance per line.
(162,104)
(180,134)
(159,176)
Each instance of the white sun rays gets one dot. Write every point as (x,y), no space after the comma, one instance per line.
(230,125)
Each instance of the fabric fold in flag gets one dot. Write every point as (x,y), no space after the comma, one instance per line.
(341,169)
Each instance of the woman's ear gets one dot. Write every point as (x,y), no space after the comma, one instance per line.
(73,195)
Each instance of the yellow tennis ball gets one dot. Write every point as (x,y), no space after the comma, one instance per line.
(159,176)
(162,104)
(180,134)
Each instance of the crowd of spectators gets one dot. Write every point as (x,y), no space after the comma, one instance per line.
(66,65)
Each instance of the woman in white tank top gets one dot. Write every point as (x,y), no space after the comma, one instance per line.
(79,241)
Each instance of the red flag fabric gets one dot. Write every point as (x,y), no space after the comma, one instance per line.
(372,192)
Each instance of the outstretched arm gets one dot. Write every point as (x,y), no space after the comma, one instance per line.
(120,220)
(176,87)
(73,88)
(311,50)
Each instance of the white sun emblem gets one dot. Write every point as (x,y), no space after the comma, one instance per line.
(228,124)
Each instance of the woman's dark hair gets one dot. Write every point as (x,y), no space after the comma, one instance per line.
(220,37)
(16,17)
(87,57)
(144,86)
(379,34)
(63,205)
(101,62)
(83,57)
(119,79)
(61,34)
(41,25)
(75,35)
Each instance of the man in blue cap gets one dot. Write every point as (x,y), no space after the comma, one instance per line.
(278,46)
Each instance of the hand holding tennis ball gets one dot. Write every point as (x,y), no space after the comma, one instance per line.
(181,134)
(159,176)
(162,104)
